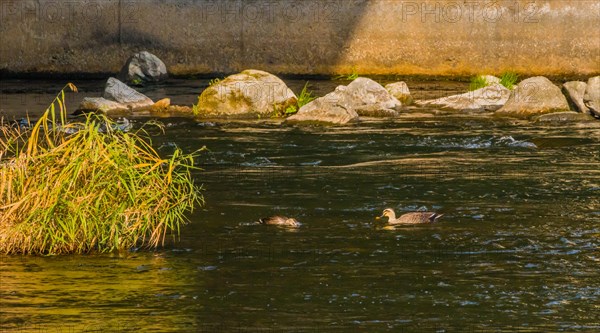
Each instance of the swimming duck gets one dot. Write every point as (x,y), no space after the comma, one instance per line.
(410,218)
(280,221)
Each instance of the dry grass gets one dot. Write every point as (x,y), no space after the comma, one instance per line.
(96,189)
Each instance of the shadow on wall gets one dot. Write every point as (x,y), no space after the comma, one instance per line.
(200,36)
(285,36)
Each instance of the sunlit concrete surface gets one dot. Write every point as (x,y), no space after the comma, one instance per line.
(557,37)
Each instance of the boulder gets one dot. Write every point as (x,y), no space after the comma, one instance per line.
(369,98)
(561,117)
(532,97)
(143,67)
(490,98)
(574,91)
(250,92)
(591,98)
(92,104)
(119,92)
(333,108)
(400,91)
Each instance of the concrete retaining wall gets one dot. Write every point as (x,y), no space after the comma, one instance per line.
(558,37)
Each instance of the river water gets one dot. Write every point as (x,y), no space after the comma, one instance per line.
(516,251)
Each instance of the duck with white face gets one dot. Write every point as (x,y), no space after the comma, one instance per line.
(410,218)
(281,221)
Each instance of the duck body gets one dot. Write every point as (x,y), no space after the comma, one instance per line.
(410,218)
(280,221)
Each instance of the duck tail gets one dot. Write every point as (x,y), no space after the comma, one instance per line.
(435,217)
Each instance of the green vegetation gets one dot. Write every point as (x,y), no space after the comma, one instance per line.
(136,81)
(348,77)
(478,82)
(509,79)
(304,98)
(96,189)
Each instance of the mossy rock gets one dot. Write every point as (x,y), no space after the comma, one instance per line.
(249,93)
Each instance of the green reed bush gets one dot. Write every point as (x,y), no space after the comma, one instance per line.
(97,189)
(478,82)
(509,79)
(304,98)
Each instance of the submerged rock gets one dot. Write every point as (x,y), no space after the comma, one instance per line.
(333,108)
(561,117)
(369,98)
(250,92)
(400,91)
(143,67)
(591,98)
(162,105)
(489,98)
(574,91)
(532,97)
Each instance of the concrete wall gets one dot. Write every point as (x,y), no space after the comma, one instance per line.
(558,37)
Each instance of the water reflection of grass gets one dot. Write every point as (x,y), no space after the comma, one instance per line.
(97,292)
(85,186)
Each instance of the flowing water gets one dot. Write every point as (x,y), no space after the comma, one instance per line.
(516,251)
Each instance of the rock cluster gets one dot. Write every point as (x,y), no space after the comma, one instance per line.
(253,93)
(362,97)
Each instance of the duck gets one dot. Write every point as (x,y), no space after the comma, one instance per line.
(410,218)
(279,220)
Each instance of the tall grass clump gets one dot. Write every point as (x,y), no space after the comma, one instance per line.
(304,98)
(96,189)
(477,82)
(509,79)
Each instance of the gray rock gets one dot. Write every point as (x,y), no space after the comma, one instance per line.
(591,98)
(490,79)
(574,90)
(400,91)
(489,98)
(369,98)
(561,117)
(93,104)
(143,67)
(333,108)
(362,97)
(250,92)
(532,97)
(119,92)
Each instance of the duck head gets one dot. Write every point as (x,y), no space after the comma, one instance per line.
(292,222)
(389,213)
